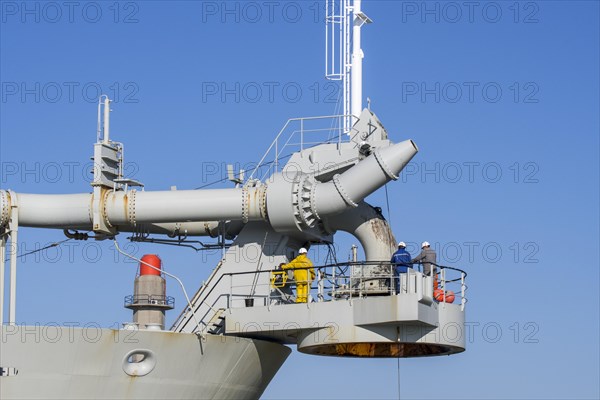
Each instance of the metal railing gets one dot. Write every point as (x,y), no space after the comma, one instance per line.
(351,280)
(334,282)
(150,300)
(299,134)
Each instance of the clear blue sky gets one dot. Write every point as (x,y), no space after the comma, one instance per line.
(502,99)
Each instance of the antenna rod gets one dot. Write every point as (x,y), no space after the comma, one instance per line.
(106,119)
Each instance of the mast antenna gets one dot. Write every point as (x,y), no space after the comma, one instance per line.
(343,53)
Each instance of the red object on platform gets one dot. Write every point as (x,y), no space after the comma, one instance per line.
(438,294)
(153,260)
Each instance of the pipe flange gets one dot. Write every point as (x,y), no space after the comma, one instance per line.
(105,207)
(313,202)
(342,192)
(302,193)
(263,203)
(306,195)
(4,208)
(245,205)
(384,166)
(131,207)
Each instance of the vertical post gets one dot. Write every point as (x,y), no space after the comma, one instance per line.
(444,279)
(106,120)
(326,37)
(444,286)
(357,56)
(345,62)
(12,302)
(302,134)
(335,283)
(341,129)
(320,296)
(99,127)
(361,281)
(462,291)
(222,239)
(2,257)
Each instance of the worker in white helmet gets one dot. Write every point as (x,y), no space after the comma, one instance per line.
(304,274)
(428,259)
(400,264)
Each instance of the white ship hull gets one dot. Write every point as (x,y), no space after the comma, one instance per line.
(78,363)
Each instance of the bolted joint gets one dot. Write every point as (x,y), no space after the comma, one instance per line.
(4,208)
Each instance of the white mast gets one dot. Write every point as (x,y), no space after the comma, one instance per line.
(342,64)
(357,55)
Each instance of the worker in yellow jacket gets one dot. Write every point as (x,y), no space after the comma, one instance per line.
(303,276)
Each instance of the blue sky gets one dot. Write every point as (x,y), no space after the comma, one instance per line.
(502,99)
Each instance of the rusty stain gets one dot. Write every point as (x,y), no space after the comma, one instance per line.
(126,206)
(90,208)
(379,350)
(383,233)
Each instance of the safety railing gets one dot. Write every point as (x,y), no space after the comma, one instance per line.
(299,134)
(149,300)
(351,280)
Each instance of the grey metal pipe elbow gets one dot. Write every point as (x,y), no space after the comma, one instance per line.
(369,227)
(297,201)
(353,186)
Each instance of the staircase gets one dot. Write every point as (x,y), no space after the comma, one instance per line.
(216,325)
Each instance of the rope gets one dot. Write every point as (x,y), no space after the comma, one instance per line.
(258,265)
(42,249)
(338,104)
(387,201)
(398,377)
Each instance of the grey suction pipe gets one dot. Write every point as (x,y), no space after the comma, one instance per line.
(285,204)
(73,211)
(61,211)
(369,227)
(123,208)
(129,209)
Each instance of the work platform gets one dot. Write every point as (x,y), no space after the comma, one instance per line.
(349,320)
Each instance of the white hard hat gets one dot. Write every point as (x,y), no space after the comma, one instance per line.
(302,250)
(401,244)
(424,244)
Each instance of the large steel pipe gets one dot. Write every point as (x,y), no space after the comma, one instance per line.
(290,204)
(54,211)
(150,211)
(132,208)
(351,187)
